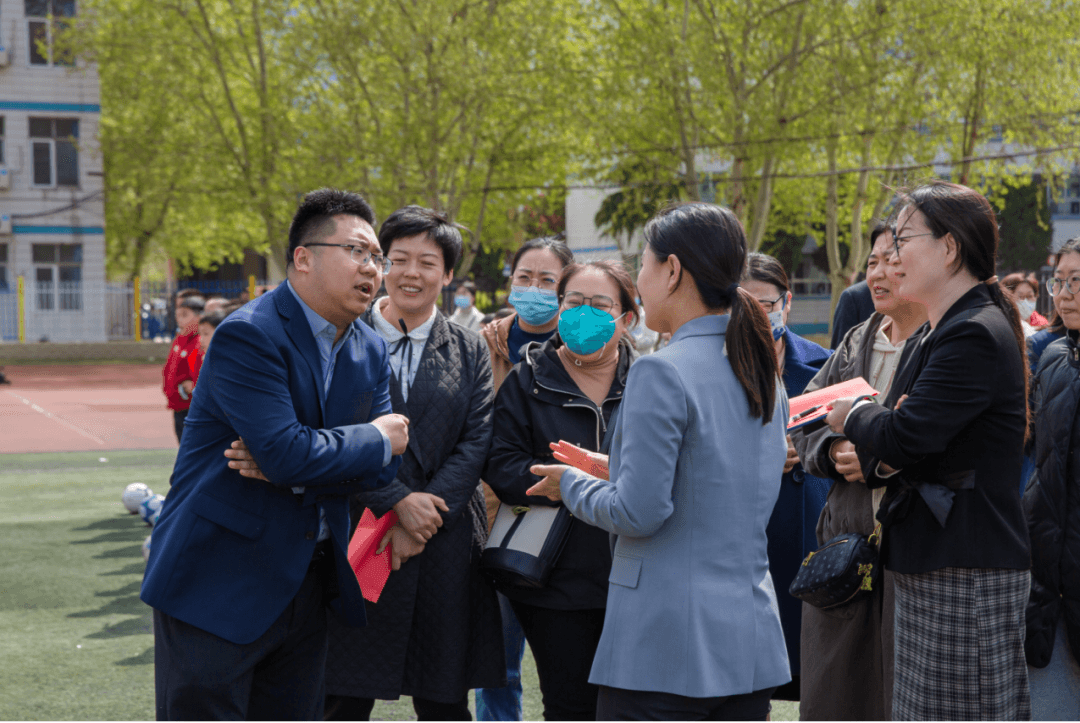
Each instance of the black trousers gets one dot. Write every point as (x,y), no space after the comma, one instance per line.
(280,676)
(620,704)
(341,707)
(563,643)
(178,423)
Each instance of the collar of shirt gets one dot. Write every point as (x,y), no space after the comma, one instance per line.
(392,333)
(324,333)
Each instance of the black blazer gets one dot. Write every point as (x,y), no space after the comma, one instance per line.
(960,432)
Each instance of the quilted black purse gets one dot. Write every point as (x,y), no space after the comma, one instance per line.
(838,572)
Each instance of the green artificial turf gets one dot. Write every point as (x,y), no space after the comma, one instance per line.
(77,642)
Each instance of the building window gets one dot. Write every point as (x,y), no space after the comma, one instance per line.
(53,152)
(43,19)
(1074,208)
(1,139)
(3,268)
(58,276)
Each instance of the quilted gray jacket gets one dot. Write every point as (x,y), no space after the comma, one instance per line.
(435,632)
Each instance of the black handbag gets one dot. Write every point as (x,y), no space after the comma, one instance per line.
(840,571)
(524,545)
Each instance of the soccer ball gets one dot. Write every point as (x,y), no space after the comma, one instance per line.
(133,496)
(146,549)
(150,509)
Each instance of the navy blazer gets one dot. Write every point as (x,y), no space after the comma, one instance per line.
(229,553)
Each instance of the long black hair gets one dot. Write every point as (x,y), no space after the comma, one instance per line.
(711,246)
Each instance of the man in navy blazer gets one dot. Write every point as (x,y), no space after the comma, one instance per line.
(241,569)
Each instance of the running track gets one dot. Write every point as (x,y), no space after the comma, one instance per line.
(65,408)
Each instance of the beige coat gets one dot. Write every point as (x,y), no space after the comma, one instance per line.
(496,334)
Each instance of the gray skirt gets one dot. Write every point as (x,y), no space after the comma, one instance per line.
(960,645)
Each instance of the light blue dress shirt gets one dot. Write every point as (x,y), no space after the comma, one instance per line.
(324,333)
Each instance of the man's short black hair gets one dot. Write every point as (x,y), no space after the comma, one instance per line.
(314,219)
(415,220)
(186,293)
(879,228)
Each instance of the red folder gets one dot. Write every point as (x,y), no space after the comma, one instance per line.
(371,570)
(807,408)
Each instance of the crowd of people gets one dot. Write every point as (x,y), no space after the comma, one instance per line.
(346,389)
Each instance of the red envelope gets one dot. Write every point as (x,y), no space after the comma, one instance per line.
(800,407)
(371,570)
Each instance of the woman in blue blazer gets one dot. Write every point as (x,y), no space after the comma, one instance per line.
(691,629)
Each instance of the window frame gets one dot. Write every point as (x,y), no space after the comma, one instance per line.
(56,299)
(50,22)
(54,157)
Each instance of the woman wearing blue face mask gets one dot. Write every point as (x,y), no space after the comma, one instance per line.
(568,388)
(534,275)
(793,523)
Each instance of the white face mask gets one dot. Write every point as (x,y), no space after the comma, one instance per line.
(1026,307)
(776,321)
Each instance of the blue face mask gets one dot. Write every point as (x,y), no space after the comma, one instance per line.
(534,305)
(776,321)
(462,302)
(586,330)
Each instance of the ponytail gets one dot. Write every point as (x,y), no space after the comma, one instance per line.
(1008,308)
(750,350)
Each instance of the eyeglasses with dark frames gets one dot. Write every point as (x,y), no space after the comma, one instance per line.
(360,256)
(574,299)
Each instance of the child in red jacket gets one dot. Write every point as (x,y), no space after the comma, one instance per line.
(179,381)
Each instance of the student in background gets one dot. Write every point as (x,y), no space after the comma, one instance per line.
(178,379)
(465,312)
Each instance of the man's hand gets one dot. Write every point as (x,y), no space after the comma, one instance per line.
(792,456)
(404,546)
(418,513)
(188,386)
(842,452)
(240,459)
(396,427)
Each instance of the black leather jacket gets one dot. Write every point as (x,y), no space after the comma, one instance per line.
(1052,503)
(538,404)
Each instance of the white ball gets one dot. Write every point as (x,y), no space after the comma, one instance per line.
(146,549)
(150,509)
(133,496)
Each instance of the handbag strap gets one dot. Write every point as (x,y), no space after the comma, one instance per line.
(875,536)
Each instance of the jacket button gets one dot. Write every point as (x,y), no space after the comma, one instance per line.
(536,391)
(309,535)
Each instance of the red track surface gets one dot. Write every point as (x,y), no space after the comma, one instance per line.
(84,408)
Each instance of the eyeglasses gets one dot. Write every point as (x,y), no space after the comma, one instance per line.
(360,256)
(599,302)
(1056,286)
(768,304)
(899,241)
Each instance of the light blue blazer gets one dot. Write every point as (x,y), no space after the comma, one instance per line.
(691,608)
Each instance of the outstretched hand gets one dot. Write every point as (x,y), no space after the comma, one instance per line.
(549,486)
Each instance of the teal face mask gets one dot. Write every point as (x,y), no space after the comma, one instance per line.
(586,330)
(534,305)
